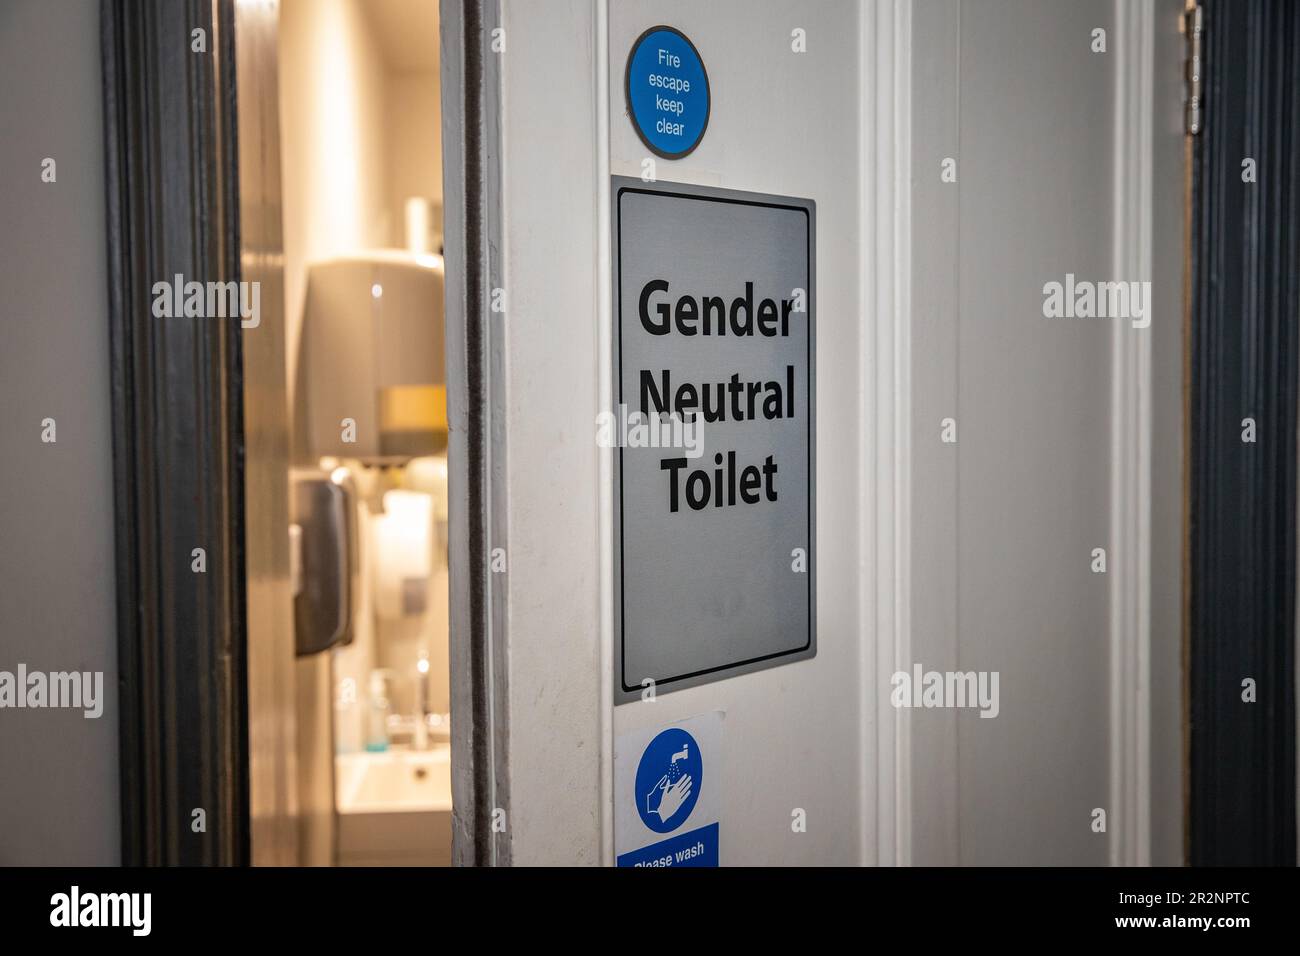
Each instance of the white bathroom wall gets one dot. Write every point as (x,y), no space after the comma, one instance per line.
(333,99)
(58,610)
(414,118)
(408,31)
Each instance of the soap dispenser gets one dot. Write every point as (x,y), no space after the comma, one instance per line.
(377,717)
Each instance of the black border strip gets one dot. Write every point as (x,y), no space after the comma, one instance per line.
(172,193)
(1245,363)
(476,318)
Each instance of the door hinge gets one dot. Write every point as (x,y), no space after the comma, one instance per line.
(1194,35)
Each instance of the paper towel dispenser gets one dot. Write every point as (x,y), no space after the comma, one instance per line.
(371,366)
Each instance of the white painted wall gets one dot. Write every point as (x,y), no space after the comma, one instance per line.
(1025,489)
(58,608)
(1005,520)
(1034,425)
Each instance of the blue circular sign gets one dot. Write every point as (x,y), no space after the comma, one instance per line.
(668,780)
(667,92)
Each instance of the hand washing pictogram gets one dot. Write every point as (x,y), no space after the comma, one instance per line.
(672,761)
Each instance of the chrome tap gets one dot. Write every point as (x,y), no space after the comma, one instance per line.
(421,740)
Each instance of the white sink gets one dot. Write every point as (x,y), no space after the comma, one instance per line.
(395,780)
(394,808)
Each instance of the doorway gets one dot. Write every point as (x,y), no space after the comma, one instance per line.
(298,658)
(359,120)
(485,506)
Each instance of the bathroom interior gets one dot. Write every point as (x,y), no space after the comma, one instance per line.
(359,108)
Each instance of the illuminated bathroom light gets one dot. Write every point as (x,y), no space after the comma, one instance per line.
(376,290)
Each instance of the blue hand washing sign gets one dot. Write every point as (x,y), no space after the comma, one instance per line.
(668,780)
(667,92)
(676,821)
